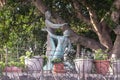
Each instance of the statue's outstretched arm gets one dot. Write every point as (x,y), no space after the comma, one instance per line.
(51,34)
(52,25)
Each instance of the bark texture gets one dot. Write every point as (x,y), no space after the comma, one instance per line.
(2,3)
(116,47)
(116,18)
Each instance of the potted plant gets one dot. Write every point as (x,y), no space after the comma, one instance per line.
(101,62)
(115,64)
(58,66)
(13,66)
(84,63)
(33,63)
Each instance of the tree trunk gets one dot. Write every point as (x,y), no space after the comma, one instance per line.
(100,28)
(115,16)
(116,13)
(116,47)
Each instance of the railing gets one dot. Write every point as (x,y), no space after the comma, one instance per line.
(84,69)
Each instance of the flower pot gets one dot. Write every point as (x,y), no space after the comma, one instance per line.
(34,64)
(12,69)
(102,66)
(83,65)
(58,68)
(116,66)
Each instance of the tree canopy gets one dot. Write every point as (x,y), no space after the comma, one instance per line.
(93,23)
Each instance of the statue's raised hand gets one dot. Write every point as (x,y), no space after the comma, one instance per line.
(65,24)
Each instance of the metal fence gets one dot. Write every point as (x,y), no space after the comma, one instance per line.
(84,69)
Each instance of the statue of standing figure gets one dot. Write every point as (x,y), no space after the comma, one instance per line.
(49,24)
(62,42)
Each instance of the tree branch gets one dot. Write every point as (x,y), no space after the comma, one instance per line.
(101,29)
(78,10)
(41,7)
(73,36)
(93,18)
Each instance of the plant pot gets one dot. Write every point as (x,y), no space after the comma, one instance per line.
(116,66)
(83,65)
(34,64)
(102,66)
(58,68)
(12,69)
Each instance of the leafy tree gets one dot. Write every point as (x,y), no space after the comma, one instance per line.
(87,18)
(20,25)
(92,24)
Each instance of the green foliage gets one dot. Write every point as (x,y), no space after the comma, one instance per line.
(2,65)
(45,59)
(100,55)
(57,60)
(65,8)
(85,54)
(29,54)
(17,64)
(98,6)
(22,59)
(21,23)
(11,63)
(18,21)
